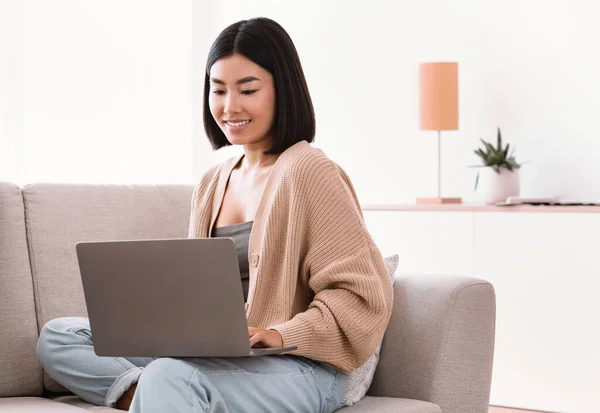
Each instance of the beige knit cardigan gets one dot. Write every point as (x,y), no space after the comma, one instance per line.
(315,274)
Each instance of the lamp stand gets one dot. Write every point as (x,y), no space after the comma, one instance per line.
(439,200)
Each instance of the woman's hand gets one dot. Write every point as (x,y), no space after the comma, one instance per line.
(265,338)
(262,337)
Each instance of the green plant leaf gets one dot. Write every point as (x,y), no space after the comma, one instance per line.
(499,140)
(482,155)
(513,162)
(491,151)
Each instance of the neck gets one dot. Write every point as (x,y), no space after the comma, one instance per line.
(254,157)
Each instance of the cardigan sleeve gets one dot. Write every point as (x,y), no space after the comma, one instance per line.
(352,303)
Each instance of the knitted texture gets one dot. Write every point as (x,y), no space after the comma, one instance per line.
(316,275)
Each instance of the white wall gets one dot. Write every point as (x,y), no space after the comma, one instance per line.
(7,152)
(111,91)
(96,91)
(529,67)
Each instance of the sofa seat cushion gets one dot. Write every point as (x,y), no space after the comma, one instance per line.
(79,402)
(366,405)
(391,405)
(37,405)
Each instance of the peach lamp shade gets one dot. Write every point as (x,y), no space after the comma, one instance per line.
(438,90)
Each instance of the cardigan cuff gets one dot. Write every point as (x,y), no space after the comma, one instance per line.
(295,332)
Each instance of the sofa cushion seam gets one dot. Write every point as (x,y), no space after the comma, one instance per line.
(30,249)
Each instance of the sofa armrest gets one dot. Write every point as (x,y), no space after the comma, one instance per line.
(439,345)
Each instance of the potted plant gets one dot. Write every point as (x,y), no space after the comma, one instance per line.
(498,177)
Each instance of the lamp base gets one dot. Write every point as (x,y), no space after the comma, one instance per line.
(439,201)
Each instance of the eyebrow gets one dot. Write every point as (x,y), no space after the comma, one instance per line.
(239,82)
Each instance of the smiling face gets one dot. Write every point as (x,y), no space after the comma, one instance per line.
(242,100)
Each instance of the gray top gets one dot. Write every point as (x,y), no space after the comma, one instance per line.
(241,237)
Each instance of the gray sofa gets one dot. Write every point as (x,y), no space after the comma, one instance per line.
(436,356)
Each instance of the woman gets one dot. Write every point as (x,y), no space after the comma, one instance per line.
(312,275)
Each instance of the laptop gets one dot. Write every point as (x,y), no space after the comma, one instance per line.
(166,298)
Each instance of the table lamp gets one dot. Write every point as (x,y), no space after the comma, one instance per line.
(438,93)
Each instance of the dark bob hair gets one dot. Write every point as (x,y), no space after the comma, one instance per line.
(267,44)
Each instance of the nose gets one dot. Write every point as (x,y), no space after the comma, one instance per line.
(232,104)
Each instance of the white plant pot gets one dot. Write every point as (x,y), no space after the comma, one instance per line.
(496,187)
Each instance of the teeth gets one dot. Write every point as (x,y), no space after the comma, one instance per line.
(242,123)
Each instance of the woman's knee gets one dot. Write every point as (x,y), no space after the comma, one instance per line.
(173,376)
(56,333)
(163,371)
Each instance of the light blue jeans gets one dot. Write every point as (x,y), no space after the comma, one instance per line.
(280,384)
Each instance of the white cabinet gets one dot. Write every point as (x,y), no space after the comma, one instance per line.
(545,268)
(546,273)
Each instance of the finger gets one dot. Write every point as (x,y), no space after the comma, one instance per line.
(252,331)
(255,339)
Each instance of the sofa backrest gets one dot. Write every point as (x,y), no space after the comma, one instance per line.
(60,215)
(20,372)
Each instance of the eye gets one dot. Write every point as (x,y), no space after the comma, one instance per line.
(218,92)
(248,92)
